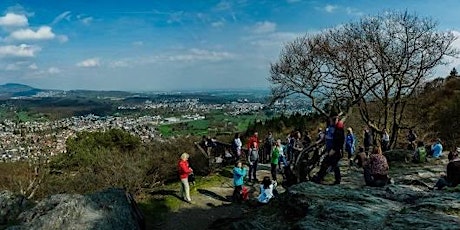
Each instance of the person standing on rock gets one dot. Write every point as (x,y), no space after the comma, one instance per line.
(254,139)
(253,160)
(236,146)
(350,144)
(367,140)
(238,179)
(376,169)
(385,140)
(184,172)
(276,153)
(335,154)
(268,146)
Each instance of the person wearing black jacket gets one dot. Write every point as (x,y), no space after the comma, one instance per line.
(335,154)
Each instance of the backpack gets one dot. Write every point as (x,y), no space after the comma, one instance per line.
(420,155)
(254,155)
(244,193)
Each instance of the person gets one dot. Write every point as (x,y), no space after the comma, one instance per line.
(367,140)
(420,153)
(376,169)
(350,144)
(276,153)
(236,146)
(335,153)
(360,158)
(282,158)
(385,140)
(184,172)
(437,149)
(267,190)
(452,178)
(306,139)
(290,145)
(253,159)
(297,146)
(411,138)
(254,139)
(320,135)
(268,145)
(238,179)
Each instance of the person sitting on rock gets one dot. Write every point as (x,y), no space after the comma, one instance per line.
(420,153)
(267,190)
(360,158)
(437,149)
(452,179)
(376,169)
(238,175)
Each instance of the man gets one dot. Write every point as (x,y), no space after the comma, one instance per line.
(268,146)
(367,140)
(335,153)
(411,138)
(297,146)
(452,179)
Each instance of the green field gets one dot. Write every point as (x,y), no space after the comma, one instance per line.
(216,123)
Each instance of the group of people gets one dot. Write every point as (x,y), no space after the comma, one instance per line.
(369,157)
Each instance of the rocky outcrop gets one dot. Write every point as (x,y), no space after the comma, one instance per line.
(110,209)
(312,206)
(10,206)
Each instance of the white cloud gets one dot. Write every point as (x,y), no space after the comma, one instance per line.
(43,33)
(201,55)
(330,8)
(91,62)
(138,43)
(12,19)
(264,27)
(218,24)
(22,50)
(33,66)
(87,20)
(63,38)
(353,11)
(53,70)
(65,15)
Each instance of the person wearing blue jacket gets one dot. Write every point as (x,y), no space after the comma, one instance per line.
(238,180)
(437,149)
(350,144)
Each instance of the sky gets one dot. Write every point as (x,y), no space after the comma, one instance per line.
(172,45)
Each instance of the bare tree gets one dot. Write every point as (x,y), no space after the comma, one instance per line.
(374,65)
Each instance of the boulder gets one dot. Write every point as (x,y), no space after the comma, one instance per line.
(399,155)
(312,206)
(11,205)
(109,209)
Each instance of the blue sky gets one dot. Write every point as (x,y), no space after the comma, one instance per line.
(167,45)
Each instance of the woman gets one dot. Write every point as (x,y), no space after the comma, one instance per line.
(267,189)
(376,169)
(276,153)
(385,140)
(184,172)
(350,144)
(238,179)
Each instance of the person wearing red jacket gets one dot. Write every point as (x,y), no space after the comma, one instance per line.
(184,172)
(254,139)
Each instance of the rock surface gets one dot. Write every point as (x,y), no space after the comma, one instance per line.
(10,206)
(109,209)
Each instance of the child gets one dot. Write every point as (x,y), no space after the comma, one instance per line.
(238,175)
(267,190)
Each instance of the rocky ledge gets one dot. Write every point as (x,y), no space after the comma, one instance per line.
(109,209)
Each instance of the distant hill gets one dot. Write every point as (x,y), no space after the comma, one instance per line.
(17,90)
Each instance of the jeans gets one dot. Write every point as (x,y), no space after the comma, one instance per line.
(273,171)
(252,170)
(185,189)
(282,159)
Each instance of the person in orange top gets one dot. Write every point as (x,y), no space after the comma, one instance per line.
(184,172)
